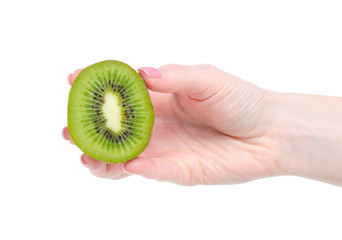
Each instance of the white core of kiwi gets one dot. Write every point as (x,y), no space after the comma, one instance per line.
(112,112)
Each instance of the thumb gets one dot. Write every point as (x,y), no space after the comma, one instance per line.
(198,82)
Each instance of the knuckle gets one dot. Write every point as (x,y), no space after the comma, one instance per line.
(207,67)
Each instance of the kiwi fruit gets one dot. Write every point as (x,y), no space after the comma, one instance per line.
(110,115)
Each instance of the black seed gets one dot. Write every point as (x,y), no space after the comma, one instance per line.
(112,84)
(102,100)
(94,98)
(102,89)
(103,121)
(133,116)
(97,127)
(98,131)
(100,96)
(124,105)
(132,110)
(92,106)
(116,140)
(95,121)
(95,93)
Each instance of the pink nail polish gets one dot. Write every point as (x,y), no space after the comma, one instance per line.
(64,133)
(84,161)
(151,72)
(69,80)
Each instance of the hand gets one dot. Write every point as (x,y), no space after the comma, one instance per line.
(210,128)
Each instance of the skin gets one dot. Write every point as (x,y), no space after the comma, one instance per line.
(214,128)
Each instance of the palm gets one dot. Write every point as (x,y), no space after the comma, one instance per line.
(221,138)
(196,153)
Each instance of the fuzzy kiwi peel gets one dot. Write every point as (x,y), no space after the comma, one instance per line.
(110,115)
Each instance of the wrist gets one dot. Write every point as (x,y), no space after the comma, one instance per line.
(307,130)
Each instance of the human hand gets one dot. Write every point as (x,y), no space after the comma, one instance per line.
(210,128)
(214,128)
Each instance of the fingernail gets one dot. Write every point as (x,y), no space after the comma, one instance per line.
(125,170)
(64,133)
(69,80)
(84,161)
(151,72)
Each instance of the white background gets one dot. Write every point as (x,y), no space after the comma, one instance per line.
(45,192)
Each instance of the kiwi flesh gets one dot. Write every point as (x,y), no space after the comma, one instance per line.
(110,115)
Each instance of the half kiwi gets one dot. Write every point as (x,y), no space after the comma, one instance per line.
(110,115)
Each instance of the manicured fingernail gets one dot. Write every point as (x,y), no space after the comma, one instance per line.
(84,161)
(64,133)
(151,72)
(69,79)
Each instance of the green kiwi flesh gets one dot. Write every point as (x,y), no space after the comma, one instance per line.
(110,115)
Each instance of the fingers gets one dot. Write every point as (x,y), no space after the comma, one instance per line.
(66,135)
(73,76)
(160,169)
(198,82)
(102,169)
(71,79)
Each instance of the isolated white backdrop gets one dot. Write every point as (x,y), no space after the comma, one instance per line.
(45,192)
